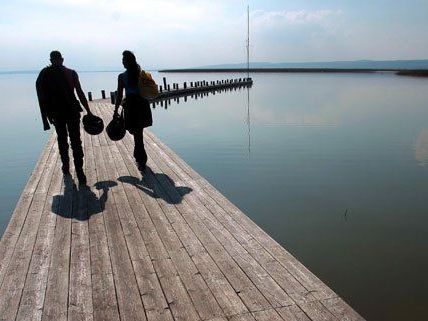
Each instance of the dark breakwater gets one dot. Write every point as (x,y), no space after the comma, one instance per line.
(399,72)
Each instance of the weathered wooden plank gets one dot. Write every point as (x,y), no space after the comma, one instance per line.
(33,295)
(242,317)
(134,241)
(268,315)
(293,313)
(103,141)
(16,223)
(80,291)
(105,306)
(16,273)
(194,285)
(13,230)
(202,297)
(341,310)
(223,291)
(317,312)
(150,291)
(128,297)
(153,297)
(178,299)
(56,300)
(41,166)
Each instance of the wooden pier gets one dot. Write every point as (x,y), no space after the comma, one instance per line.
(162,245)
(193,89)
(203,86)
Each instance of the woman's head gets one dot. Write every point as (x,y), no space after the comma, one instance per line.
(129,60)
(130,63)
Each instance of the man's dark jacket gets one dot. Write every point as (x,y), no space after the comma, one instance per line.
(55,92)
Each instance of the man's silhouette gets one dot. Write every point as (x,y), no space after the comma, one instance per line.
(58,105)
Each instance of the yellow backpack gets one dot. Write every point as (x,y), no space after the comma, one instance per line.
(148,87)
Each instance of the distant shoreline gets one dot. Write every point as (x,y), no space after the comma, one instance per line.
(400,72)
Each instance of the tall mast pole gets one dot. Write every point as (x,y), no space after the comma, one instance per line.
(248,76)
(248,41)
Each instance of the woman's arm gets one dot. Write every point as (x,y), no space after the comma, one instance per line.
(119,93)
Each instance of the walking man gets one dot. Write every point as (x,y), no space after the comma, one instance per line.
(55,86)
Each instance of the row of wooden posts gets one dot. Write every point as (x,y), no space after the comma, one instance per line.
(175,86)
(167,101)
(197,84)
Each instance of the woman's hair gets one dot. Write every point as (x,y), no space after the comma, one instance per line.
(130,63)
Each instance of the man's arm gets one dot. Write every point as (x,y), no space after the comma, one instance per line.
(42,101)
(80,93)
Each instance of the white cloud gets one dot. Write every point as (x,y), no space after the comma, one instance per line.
(297,17)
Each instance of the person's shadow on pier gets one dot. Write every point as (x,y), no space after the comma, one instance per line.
(157,185)
(81,202)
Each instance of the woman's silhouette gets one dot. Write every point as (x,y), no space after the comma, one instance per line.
(134,111)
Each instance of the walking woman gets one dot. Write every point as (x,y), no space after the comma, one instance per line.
(137,111)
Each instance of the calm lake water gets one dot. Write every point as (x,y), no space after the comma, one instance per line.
(332,166)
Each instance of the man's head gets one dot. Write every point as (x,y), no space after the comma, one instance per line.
(56,58)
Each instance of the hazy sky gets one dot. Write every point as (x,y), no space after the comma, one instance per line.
(91,34)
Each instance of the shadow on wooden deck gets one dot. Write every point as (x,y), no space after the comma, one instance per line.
(86,203)
(147,185)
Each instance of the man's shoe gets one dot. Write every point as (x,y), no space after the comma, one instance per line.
(81,176)
(66,169)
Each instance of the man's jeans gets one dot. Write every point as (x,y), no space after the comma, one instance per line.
(69,126)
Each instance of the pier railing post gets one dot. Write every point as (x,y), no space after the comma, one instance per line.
(89,96)
(103,94)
